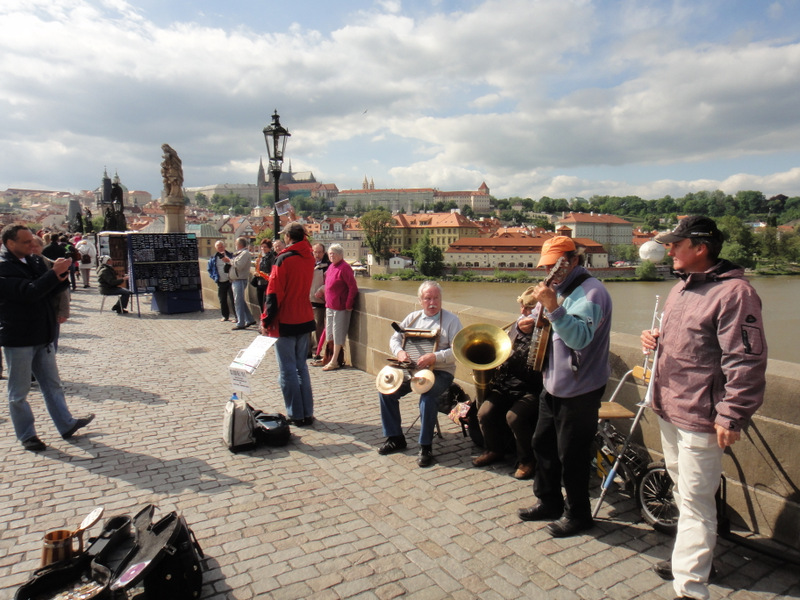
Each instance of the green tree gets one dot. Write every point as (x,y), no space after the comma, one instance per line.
(429,258)
(201,199)
(377,225)
(769,245)
(342,205)
(647,271)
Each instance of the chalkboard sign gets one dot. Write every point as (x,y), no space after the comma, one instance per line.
(163,262)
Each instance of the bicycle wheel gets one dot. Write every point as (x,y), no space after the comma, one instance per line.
(656,501)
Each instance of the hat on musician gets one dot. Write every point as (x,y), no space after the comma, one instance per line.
(555,248)
(691,227)
(527,298)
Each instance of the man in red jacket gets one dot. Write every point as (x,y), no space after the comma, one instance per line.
(289,317)
(708,381)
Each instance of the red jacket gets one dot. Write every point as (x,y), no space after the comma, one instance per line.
(287,303)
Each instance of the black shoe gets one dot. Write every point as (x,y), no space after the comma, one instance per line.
(116,309)
(425,456)
(250,324)
(308,421)
(224,319)
(664,570)
(237,327)
(393,444)
(296,422)
(569,526)
(33,444)
(539,512)
(79,424)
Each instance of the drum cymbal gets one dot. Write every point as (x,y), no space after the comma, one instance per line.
(389,380)
(422,381)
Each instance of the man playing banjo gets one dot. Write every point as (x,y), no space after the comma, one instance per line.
(575,371)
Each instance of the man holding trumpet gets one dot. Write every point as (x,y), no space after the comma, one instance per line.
(577,308)
(708,380)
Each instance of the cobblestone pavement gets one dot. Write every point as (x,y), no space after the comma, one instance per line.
(324,517)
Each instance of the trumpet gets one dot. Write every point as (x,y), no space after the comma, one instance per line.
(648,396)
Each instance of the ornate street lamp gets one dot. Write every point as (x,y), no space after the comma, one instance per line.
(275,136)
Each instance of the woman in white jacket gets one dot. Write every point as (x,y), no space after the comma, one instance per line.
(88,261)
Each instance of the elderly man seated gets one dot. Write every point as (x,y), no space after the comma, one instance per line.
(441,362)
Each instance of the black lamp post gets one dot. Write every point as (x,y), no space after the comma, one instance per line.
(275,136)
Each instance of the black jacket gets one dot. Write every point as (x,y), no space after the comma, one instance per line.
(27,317)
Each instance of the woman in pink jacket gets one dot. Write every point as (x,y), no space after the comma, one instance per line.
(340,295)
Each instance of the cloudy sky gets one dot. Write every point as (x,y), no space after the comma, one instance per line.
(535,97)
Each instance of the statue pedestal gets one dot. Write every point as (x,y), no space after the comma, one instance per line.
(174,215)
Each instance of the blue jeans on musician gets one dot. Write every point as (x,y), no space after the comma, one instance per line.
(428,407)
(40,361)
(291,353)
(243,315)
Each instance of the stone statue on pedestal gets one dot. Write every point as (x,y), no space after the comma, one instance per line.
(172,172)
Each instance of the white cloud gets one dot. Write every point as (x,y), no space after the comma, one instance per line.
(516,93)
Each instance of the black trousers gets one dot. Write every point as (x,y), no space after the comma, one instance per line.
(562,445)
(224,294)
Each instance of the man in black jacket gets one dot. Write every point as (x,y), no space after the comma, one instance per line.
(27,330)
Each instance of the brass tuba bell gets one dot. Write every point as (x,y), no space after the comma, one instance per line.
(481,348)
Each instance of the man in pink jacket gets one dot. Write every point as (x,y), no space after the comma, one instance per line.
(709,380)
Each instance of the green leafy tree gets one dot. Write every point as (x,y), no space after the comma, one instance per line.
(201,200)
(342,205)
(647,271)
(428,257)
(377,225)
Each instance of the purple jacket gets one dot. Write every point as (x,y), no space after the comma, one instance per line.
(340,286)
(712,354)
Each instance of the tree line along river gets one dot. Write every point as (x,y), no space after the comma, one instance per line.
(633,304)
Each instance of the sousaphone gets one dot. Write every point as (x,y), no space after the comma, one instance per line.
(482,348)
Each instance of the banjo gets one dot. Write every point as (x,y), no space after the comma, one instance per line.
(541,330)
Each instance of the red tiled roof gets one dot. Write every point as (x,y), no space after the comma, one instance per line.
(593,218)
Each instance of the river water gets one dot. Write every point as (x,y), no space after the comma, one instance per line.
(634,302)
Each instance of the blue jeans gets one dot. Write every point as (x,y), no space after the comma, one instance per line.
(291,353)
(40,361)
(243,315)
(428,407)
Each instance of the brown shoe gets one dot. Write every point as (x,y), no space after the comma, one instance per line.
(487,458)
(525,470)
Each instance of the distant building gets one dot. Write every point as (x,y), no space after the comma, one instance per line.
(607,230)
(513,252)
(478,201)
(443,229)
(396,200)
(409,200)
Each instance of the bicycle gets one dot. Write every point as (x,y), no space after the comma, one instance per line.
(643,480)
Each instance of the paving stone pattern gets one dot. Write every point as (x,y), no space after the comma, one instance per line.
(325,517)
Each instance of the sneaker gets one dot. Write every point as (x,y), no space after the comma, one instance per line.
(33,444)
(487,458)
(425,456)
(392,445)
(79,424)
(664,570)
